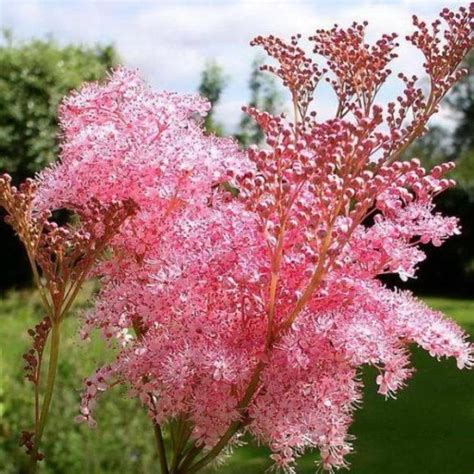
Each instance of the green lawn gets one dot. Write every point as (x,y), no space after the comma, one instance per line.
(429,429)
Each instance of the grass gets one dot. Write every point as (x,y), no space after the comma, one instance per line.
(123,442)
(429,429)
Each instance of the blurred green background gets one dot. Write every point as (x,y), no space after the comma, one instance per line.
(428,429)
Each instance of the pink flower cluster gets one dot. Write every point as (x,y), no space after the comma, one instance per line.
(254,313)
(124,141)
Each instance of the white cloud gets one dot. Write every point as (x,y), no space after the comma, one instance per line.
(169,41)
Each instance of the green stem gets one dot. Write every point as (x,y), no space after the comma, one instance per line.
(188,458)
(212,454)
(51,377)
(161,448)
(183,434)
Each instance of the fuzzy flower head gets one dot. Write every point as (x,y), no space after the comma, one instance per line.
(123,140)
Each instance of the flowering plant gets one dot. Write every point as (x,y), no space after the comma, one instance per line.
(242,293)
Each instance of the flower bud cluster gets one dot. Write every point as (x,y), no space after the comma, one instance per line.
(17,203)
(300,75)
(359,69)
(27,440)
(39,334)
(444,48)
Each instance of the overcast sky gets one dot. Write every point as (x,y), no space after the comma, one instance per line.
(170,41)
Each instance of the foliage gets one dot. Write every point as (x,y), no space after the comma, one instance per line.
(34,77)
(264,96)
(450,269)
(432,148)
(464,171)
(461,101)
(213,82)
(70,448)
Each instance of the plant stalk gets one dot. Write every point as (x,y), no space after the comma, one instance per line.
(51,377)
(161,448)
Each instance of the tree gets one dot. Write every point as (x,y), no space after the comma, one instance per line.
(440,144)
(432,148)
(34,77)
(450,269)
(461,100)
(213,82)
(264,96)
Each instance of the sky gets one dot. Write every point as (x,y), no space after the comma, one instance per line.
(170,41)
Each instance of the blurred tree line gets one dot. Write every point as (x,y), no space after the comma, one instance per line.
(264,95)
(36,75)
(449,269)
